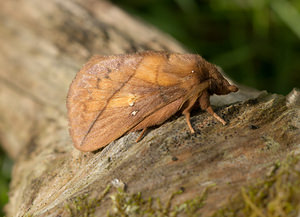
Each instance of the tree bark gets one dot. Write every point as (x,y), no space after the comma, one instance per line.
(44,44)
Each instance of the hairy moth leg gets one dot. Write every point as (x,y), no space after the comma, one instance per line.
(205,105)
(187,113)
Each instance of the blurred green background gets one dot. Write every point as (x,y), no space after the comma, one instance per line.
(5,170)
(256,42)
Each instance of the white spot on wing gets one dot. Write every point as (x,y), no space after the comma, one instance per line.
(131,100)
(134,113)
(131,103)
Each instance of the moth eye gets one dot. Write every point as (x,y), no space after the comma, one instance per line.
(134,113)
(192,71)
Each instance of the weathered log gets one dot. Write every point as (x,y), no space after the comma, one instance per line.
(43,45)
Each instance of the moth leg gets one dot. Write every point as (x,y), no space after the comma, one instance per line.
(205,105)
(141,135)
(211,111)
(187,118)
(187,113)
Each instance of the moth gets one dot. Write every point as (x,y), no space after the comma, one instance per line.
(113,95)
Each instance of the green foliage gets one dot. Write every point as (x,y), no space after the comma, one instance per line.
(134,205)
(278,195)
(255,41)
(5,170)
(82,206)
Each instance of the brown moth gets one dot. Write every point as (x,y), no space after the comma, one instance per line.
(112,95)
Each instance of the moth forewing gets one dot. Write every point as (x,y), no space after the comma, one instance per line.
(116,94)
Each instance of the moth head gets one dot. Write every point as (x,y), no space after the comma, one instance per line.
(219,85)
